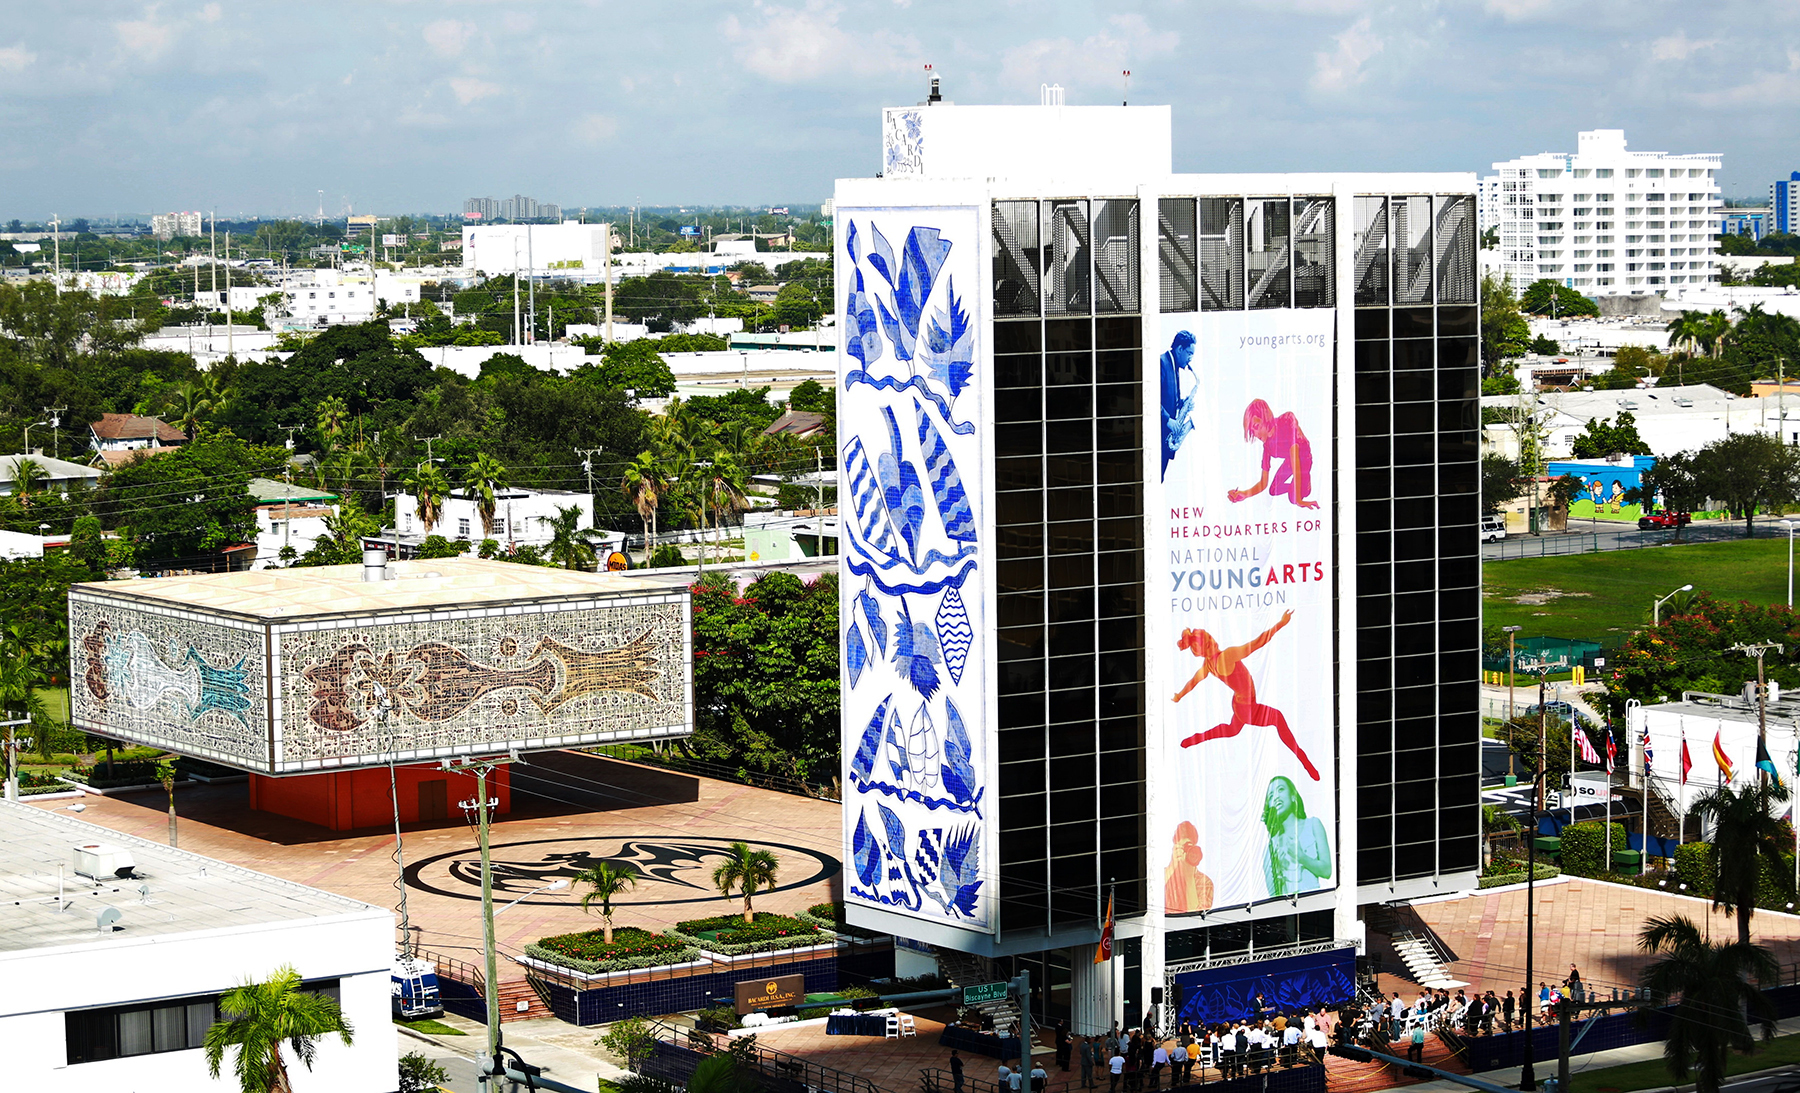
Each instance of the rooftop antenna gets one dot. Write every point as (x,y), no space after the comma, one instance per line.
(935,96)
(1127,101)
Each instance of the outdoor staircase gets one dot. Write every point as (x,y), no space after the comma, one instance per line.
(514,991)
(1423,961)
(967,969)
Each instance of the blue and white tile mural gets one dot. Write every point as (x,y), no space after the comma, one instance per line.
(917,809)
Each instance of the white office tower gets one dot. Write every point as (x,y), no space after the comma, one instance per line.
(1606,221)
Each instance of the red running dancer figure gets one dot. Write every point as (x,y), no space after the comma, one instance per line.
(1227,665)
(1281,439)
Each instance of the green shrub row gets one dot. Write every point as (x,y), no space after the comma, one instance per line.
(1693,864)
(830,916)
(631,948)
(1584,848)
(1500,880)
(733,930)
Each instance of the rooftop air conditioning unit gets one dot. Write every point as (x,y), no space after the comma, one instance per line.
(103,861)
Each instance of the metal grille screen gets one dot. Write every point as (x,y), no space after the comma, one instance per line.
(1175,253)
(1017,255)
(1456,250)
(1221,254)
(1412,251)
(1314,265)
(1070,259)
(1371,252)
(1270,252)
(1116,255)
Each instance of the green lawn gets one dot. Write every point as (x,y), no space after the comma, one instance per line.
(1654,1073)
(430,1027)
(1597,596)
(56,701)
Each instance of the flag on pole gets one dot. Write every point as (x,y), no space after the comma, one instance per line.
(1763,762)
(1103,951)
(1720,758)
(1612,753)
(1588,754)
(1647,752)
(1687,761)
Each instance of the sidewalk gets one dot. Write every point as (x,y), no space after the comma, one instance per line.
(1546,1068)
(566,1052)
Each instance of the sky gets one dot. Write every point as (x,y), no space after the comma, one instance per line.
(404,106)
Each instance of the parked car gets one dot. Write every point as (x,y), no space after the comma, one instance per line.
(1493,527)
(1650,521)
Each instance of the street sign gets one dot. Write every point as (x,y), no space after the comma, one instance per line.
(978,993)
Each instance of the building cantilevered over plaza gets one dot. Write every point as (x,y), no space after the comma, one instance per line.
(315,680)
(1159,497)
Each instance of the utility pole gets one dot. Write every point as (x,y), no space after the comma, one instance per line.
(703,465)
(230,344)
(531,282)
(587,464)
(819,503)
(55,413)
(483,805)
(607,240)
(1759,650)
(1527,1004)
(56,248)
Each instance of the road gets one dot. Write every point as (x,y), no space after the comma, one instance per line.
(1592,536)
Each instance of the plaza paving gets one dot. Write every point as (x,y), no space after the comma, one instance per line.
(672,827)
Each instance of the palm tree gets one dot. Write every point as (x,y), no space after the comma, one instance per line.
(1686,329)
(333,414)
(605,881)
(27,473)
(746,869)
(1715,332)
(569,544)
(725,485)
(1714,982)
(258,1018)
(429,485)
(346,528)
(644,485)
(1746,834)
(715,1074)
(484,476)
(188,407)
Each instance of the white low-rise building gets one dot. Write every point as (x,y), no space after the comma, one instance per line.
(1668,419)
(521,518)
(1606,221)
(287,516)
(115,980)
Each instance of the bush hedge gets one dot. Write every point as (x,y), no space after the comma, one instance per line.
(1693,864)
(734,937)
(631,948)
(1500,880)
(1584,848)
(830,916)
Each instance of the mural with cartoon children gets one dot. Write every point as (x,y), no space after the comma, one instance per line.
(1605,485)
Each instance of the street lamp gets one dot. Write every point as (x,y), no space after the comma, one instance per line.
(1789,525)
(1656,610)
(28,429)
(557,885)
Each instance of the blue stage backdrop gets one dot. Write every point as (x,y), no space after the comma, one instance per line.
(1291,983)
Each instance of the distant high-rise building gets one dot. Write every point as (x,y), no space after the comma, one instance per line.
(516,207)
(1605,221)
(1784,204)
(170,225)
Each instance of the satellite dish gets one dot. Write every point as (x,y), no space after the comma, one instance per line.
(105,919)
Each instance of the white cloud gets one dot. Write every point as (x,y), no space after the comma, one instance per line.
(1342,68)
(211,13)
(468,89)
(1515,10)
(145,37)
(794,45)
(1678,47)
(447,37)
(596,128)
(16,58)
(1097,62)
(1760,89)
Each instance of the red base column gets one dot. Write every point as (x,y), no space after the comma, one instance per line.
(344,800)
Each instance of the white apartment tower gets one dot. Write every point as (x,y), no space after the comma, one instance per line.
(1606,221)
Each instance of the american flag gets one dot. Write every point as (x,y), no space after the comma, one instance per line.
(1612,753)
(1588,754)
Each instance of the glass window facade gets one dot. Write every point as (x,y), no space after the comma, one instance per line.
(1069,561)
(1418,611)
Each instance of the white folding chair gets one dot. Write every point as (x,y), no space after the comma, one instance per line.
(893,1027)
(906,1025)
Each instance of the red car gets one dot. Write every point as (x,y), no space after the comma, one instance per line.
(1650,521)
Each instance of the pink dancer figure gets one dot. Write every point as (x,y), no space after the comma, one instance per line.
(1227,666)
(1281,439)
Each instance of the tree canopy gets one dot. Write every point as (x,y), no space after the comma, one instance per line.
(1548,297)
(1602,437)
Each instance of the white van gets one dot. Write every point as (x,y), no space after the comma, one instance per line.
(1493,527)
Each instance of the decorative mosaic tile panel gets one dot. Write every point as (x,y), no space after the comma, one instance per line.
(178,679)
(471,680)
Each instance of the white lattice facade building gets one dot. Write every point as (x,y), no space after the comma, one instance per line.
(1606,221)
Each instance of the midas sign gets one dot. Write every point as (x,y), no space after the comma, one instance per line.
(770,994)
